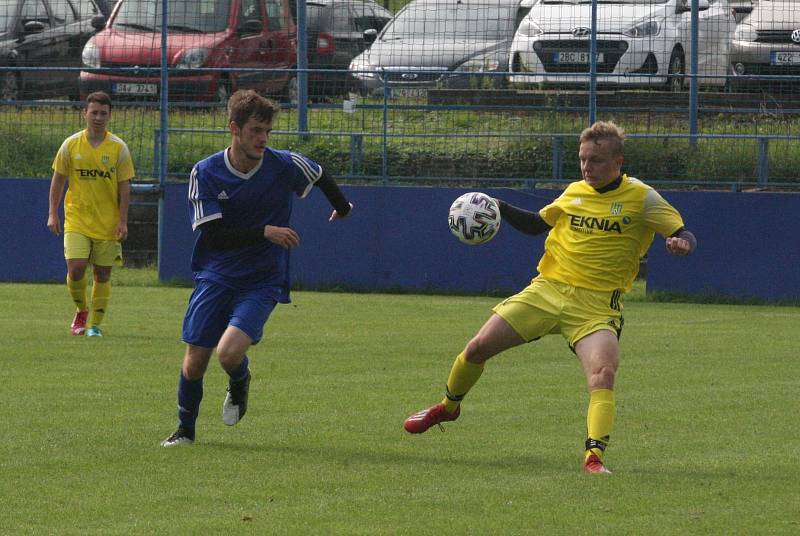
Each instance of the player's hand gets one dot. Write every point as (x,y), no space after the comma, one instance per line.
(122,232)
(281,236)
(336,216)
(678,246)
(54,224)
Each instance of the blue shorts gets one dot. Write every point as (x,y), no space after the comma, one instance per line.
(213,307)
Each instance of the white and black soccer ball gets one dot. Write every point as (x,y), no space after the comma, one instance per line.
(474,218)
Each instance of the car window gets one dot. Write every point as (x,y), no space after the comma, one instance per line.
(369,16)
(62,12)
(34,10)
(316,17)
(203,16)
(250,11)
(85,9)
(341,19)
(452,20)
(275,15)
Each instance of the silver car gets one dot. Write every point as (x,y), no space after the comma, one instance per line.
(441,43)
(767,43)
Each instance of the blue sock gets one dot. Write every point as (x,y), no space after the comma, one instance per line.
(240,372)
(190,393)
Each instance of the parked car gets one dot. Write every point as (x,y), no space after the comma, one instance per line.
(767,42)
(43,33)
(640,43)
(223,35)
(336,36)
(440,43)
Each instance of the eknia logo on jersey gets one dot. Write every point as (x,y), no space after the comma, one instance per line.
(616,208)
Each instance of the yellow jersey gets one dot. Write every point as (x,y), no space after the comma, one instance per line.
(597,238)
(91,205)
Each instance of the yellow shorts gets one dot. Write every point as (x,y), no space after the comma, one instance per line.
(99,252)
(546,307)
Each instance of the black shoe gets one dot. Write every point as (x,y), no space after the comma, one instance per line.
(181,436)
(235,405)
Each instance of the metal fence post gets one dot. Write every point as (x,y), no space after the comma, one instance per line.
(302,66)
(763,160)
(558,151)
(356,153)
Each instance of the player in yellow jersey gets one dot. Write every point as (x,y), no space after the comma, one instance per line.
(99,168)
(599,228)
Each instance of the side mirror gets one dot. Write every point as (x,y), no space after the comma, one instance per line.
(251,26)
(99,22)
(686,5)
(370,36)
(33,27)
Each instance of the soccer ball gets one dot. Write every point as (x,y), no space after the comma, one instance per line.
(474,218)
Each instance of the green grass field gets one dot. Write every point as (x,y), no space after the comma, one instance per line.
(707,412)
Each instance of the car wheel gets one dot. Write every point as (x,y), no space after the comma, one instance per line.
(676,71)
(11,85)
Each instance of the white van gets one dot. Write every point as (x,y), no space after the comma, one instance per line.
(639,43)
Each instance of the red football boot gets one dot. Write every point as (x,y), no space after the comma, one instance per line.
(421,421)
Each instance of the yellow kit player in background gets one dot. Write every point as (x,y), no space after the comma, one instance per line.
(599,228)
(99,168)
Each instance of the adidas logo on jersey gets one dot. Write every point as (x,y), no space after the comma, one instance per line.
(222,195)
(577,201)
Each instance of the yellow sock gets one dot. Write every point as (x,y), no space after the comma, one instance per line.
(77,291)
(101,292)
(599,420)
(462,377)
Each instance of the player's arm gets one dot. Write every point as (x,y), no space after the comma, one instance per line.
(124,200)
(522,220)
(681,242)
(331,190)
(220,236)
(56,193)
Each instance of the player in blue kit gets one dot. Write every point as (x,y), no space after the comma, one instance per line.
(240,201)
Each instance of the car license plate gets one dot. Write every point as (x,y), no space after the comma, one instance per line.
(128,88)
(575,57)
(785,58)
(409,92)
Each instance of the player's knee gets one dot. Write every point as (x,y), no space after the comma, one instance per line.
(603,377)
(476,351)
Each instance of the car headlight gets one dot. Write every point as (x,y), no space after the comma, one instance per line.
(529,28)
(481,64)
(360,63)
(647,28)
(193,58)
(91,55)
(745,32)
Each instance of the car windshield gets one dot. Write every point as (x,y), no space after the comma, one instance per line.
(439,20)
(203,16)
(7,10)
(627,2)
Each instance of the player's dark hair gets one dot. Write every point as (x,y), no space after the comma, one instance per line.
(606,130)
(100,97)
(246,103)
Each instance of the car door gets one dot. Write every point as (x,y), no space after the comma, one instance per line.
(35,38)
(717,25)
(249,48)
(71,29)
(367,16)
(281,44)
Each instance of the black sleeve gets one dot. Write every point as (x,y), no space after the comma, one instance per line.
(335,196)
(522,220)
(219,236)
(688,236)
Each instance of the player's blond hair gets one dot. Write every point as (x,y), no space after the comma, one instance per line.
(606,130)
(246,103)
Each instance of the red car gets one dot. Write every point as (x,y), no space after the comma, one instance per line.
(207,41)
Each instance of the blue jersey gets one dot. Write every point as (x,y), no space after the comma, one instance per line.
(261,197)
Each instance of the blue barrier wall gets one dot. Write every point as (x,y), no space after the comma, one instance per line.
(397,239)
(748,246)
(28,251)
